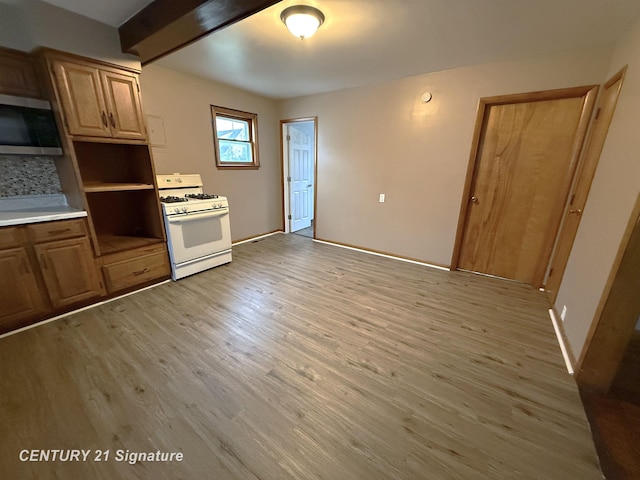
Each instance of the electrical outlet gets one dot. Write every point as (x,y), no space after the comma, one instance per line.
(382,196)
(564,313)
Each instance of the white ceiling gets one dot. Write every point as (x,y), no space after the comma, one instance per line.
(111,12)
(369,41)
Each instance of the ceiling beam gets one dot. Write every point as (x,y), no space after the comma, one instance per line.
(165,26)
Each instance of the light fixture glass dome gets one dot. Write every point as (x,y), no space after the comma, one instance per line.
(302,20)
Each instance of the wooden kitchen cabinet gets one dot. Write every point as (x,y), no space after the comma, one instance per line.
(17,74)
(20,294)
(134,267)
(125,112)
(47,268)
(69,271)
(98,100)
(109,165)
(122,199)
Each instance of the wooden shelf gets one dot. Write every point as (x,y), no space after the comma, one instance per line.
(116,243)
(115,187)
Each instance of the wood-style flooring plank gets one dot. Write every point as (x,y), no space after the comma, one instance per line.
(301,360)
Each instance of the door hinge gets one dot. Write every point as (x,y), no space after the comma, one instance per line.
(66,122)
(288,138)
(573,198)
(289,217)
(138,86)
(288,179)
(598,113)
(551,272)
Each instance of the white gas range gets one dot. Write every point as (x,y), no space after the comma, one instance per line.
(197,225)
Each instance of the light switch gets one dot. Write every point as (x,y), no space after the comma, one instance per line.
(382,198)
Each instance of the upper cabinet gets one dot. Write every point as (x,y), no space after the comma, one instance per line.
(17,74)
(98,100)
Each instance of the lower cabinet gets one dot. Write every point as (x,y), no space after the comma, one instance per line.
(49,268)
(69,271)
(43,271)
(20,294)
(128,269)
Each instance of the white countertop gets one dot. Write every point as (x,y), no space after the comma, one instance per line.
(36,208)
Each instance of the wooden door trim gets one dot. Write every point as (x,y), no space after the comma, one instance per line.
(612,322)
(315,169)
(468,182)
(579,194)
(589,92)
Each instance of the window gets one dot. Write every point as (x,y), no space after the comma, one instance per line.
(235,135)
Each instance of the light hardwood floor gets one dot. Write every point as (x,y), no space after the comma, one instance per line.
(301,360)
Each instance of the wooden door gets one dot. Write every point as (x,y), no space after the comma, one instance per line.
(69,271)
(20,296)
(523,166)
(85,111)
(301,168)
(123,105)
(584,177)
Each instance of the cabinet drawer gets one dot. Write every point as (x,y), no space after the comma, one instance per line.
(10,237)
(129,273)
(46,231)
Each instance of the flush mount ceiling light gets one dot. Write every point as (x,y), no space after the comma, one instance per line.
(302,20)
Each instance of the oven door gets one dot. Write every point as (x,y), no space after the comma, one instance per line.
(198,235)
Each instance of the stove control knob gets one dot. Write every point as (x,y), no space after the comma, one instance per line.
(184,209)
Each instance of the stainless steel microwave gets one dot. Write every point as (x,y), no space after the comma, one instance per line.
(27,127)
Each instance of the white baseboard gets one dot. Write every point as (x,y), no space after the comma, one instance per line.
(563,347)
(253,239)
(415,262)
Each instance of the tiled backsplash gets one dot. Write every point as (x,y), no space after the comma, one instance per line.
(26,175)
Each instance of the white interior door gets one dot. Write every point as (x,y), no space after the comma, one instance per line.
(301,168)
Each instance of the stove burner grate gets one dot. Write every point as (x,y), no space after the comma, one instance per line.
(172,199)
(201,196)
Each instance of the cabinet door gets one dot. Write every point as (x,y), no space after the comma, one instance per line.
(17,75)
(20,296)
(85,111)
(69,271)
(123,101)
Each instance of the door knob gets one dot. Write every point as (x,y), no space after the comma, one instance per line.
(576,211)
(474,199)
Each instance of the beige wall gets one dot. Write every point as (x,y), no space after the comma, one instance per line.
(383,139)
(33,23)
(613,194)
(13,31)
(182,101)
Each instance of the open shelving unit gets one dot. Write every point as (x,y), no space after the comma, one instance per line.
(118,182)
(92,187)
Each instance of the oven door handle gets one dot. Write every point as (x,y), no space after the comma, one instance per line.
(197,216)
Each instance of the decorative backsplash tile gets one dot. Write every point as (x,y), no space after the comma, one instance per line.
(28,175)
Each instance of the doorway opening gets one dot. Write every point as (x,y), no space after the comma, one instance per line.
(299,147)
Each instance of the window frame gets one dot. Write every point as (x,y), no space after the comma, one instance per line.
(252,120)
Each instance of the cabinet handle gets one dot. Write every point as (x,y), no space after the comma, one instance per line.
(140,272)
(59,232)
(104,119)
(112,120)
(43,261)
